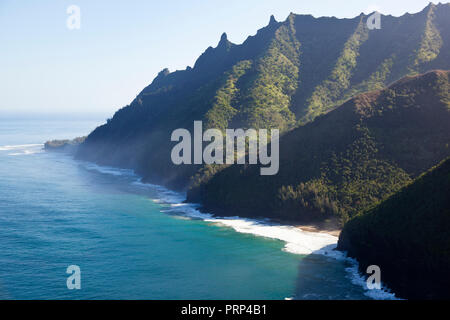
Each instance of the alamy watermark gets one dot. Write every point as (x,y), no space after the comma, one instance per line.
(374,21)
(373,282)
(74,19)
(213,153)
(74,280)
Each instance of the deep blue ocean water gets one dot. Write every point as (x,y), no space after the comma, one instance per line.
(56,212)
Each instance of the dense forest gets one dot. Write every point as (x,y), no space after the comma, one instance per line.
(344,161)
(407,237)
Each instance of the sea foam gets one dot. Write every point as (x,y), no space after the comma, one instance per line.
(107,170)
(22,149)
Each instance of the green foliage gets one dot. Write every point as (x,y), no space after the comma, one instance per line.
(327,94)
(431,41)
(376,81)
(443,88)
(222,110)
(267,98)
(308,199)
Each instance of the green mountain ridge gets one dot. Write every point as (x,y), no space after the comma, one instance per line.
(286,75)
(407,237)
(362,114)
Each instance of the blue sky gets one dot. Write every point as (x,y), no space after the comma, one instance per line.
(122,45)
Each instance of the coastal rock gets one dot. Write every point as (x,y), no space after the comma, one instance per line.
(64,145)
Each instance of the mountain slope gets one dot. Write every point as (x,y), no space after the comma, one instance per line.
(345,161)
(287,74)
(407,237)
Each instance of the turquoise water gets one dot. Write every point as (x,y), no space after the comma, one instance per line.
(56,212)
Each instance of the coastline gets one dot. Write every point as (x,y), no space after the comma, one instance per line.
(303,239)
(330,226)
(307,239)
(300,239)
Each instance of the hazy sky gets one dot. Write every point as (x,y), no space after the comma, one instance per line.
(122,45)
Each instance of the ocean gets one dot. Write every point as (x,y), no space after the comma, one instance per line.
(139,241)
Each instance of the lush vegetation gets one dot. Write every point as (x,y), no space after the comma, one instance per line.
(431,43)
(267,98)
(344,162)
(407,237)
(341,152)
(225,107)
(328,93)
(288,74)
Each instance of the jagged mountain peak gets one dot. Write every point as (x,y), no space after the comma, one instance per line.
(272,20)
(224,42)
(223,37)
(164,72)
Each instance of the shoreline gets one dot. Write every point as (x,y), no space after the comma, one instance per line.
(330,226)
(302,239)
(314,229)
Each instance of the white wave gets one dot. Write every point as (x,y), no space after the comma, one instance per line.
(107,170)
(358,279)
(19,146)
(165,195)
(296,240)
(22,149)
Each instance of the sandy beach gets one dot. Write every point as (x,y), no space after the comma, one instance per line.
(330,226)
